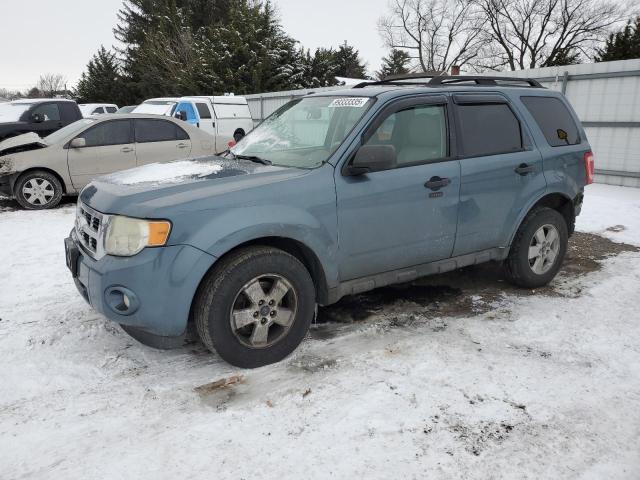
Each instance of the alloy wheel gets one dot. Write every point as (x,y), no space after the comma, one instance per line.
(263,311)
(544,249)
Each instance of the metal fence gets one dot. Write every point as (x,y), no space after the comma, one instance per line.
(605,95)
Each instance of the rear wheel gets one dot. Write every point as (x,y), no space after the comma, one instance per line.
(38,190)
(538,250)
(255,307)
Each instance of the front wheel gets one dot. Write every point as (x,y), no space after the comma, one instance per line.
(38,190)
(538,249)
(255,307)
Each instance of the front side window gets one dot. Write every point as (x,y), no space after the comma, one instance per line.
(69,130)
(489,129)
(111,109)
(155,131)
(418,134)
(554,119)
(117,132)
(305,132)
(48,111)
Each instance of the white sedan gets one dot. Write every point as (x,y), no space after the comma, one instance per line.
(39,171)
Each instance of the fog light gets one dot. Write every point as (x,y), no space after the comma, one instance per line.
(121,300)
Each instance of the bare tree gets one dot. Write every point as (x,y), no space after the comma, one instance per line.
(50,84)
(537,33)
(436,33)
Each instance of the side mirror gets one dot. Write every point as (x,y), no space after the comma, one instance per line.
(78,142)
(373,158)
(37,118)
(181,115)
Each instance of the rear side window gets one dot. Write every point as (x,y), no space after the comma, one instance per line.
(203,110)
(49,111)
(157,131)
(489,129)
(554,119)
(116,132)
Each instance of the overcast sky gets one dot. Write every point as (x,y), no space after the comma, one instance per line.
(60,36)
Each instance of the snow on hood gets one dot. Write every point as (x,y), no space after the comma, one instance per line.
(164,173)
(21,140)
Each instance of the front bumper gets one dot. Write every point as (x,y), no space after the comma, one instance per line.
(6,184)
(161,283)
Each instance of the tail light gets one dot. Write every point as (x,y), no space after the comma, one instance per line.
(589,167)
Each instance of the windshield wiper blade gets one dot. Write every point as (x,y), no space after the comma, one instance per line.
(253,158)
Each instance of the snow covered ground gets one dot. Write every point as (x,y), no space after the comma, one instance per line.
(459,376)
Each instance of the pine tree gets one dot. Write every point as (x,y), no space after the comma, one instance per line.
(622,45)
(396,63)
(102,81)
(320,68)
(563,57)
(349,64)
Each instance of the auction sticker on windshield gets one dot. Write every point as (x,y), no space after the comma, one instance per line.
(357,102)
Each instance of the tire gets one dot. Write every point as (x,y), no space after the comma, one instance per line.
(46,187)
(238,135)
(230,318)
(526,269)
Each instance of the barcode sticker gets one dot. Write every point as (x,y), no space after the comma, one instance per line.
(356,102)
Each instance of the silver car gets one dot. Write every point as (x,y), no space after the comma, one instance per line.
(39,171)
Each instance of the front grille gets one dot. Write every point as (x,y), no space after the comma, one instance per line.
(89,230)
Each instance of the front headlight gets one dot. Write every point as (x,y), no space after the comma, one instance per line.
(128,236)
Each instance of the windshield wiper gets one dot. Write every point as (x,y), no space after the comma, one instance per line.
(253,158)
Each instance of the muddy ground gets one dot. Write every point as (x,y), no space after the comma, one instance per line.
(466,292)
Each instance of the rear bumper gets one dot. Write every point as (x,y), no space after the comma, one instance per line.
(160,284)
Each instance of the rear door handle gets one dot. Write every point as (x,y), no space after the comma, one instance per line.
(126,149)
(182,145)
(524,169)
(436,183)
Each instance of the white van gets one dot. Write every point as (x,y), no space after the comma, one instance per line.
(88,109)
(226,117)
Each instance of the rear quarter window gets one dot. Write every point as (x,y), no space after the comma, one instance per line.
(554,119)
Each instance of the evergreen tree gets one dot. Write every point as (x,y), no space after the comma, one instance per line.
(396,63)
(563,57)
(185,47)
(320,68)
(622,45)
(349,64)
(102,81)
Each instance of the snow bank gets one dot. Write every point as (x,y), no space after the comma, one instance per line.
(162,173)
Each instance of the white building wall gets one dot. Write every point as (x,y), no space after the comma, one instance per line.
(599,92)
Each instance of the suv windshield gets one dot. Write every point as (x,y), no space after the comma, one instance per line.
(304,133)
(11,112)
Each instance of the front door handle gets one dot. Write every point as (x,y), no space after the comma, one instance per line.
(436,183)
(182,145)
(126,149)
(524,169)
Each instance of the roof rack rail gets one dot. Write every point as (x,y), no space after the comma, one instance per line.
(446,80)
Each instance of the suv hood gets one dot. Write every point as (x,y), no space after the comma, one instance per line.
(20,143)
(161,189)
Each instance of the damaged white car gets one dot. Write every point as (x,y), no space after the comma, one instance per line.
(39,171)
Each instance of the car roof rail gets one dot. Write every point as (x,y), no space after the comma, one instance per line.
(435,80)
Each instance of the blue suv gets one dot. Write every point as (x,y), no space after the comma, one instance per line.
(334,194)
